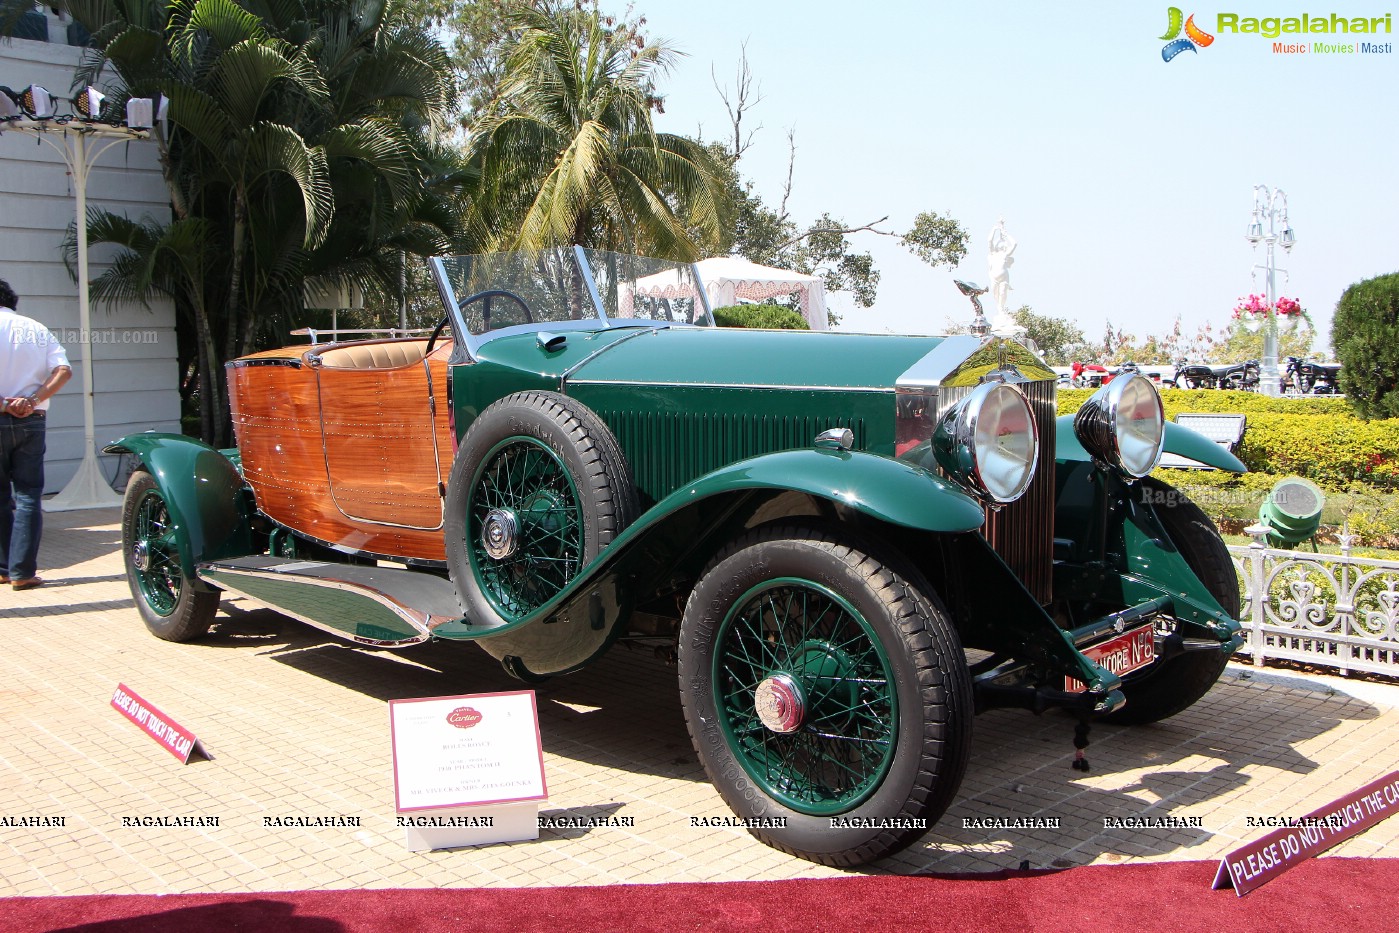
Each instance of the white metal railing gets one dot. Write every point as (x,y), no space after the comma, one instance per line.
(317,333)
(1337,611)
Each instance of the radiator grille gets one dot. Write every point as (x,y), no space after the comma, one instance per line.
(666,450)
(1023,532)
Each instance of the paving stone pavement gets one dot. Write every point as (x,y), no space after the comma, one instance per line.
(297,723)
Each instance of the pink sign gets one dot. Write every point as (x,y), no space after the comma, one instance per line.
(1262,860)
(173,737)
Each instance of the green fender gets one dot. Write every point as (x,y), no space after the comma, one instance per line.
(690,524)
(889,490)
(203,490)
(1180,441)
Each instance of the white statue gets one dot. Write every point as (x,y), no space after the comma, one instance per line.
(1000,245)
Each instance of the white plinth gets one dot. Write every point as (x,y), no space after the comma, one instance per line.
(87,489)
(482,825)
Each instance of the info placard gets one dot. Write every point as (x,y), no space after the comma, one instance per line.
(1262,860)
(468,750)
(173,737)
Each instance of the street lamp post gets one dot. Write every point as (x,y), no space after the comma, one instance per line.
(32,112)
(1269,226)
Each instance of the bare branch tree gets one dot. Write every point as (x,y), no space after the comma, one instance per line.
(791,163)
(863,228)
(743,99)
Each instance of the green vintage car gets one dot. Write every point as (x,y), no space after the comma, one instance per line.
(854,543)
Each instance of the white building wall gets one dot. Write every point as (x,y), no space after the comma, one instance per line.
(135,373)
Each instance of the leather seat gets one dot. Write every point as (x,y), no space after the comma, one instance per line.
(382,354)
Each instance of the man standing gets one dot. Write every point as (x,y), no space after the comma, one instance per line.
(33,367)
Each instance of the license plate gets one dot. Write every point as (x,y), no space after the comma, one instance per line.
(1123,654)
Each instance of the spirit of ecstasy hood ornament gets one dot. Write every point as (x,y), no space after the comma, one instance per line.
(980,326)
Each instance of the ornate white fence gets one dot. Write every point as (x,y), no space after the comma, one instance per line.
(1337,611)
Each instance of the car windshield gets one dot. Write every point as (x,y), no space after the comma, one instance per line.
(649,289)
(494,291)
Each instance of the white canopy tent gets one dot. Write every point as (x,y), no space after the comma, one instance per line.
(731,279)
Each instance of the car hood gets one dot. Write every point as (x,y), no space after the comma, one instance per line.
(737,357)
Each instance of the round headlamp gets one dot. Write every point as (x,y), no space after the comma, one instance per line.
(989,443)
(1123,426)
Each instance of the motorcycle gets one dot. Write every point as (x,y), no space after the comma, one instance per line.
(1195,376)
(1124,368)
(1087,375)
(1238,376)
(1307,378)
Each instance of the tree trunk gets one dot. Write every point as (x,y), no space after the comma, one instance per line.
(212,409)
(234,335)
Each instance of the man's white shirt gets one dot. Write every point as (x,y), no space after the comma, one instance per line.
(28,353)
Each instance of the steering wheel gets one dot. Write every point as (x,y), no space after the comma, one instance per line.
(487,295)
(485,315)
(436,332)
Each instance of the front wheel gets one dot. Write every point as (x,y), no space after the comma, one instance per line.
(169,604)
(825,692)
(1172,685)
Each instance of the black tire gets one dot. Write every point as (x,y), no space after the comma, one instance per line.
(581,499)
(169,604)
(900,635)
(1170,686)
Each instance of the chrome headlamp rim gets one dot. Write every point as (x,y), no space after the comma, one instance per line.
(1100,426)
(955,444)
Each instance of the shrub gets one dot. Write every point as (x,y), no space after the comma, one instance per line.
(1355,462)
(1365,337)
(1319,438)
(768,317)
(1176,401)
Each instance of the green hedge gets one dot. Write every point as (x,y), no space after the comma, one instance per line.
(1213,401)
(1319,438)
(1356,462)
(768,317)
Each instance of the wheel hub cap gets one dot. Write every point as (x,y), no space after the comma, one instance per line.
(779,704)
(140,556)
(500,533)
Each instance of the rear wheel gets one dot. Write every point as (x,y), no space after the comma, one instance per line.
(1172,685)
(169,604)
(825,692)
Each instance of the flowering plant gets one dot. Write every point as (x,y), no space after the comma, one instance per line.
(1252,306)
(1254,310)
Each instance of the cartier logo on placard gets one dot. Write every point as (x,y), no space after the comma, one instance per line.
(463,717)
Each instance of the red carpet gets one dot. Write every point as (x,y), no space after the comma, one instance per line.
(1328,893)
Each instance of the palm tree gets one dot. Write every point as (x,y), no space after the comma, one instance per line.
(169,259)
(283,117)
(570,154)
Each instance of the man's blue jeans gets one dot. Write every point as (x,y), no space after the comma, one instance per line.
(21,518)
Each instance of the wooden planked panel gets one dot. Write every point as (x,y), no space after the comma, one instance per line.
(379,445)
(276,414)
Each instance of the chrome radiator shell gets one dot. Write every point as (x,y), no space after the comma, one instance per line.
(1022,533)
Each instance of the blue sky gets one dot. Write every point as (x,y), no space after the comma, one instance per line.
(1127,181)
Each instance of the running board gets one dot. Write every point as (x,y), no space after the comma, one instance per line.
(379,606)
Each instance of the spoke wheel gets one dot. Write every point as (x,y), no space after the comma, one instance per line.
(825,691)
(538,488)
(170,605)
(155,556)
(526,527)
(806,695)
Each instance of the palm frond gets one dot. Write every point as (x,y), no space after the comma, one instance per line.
(274,148)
